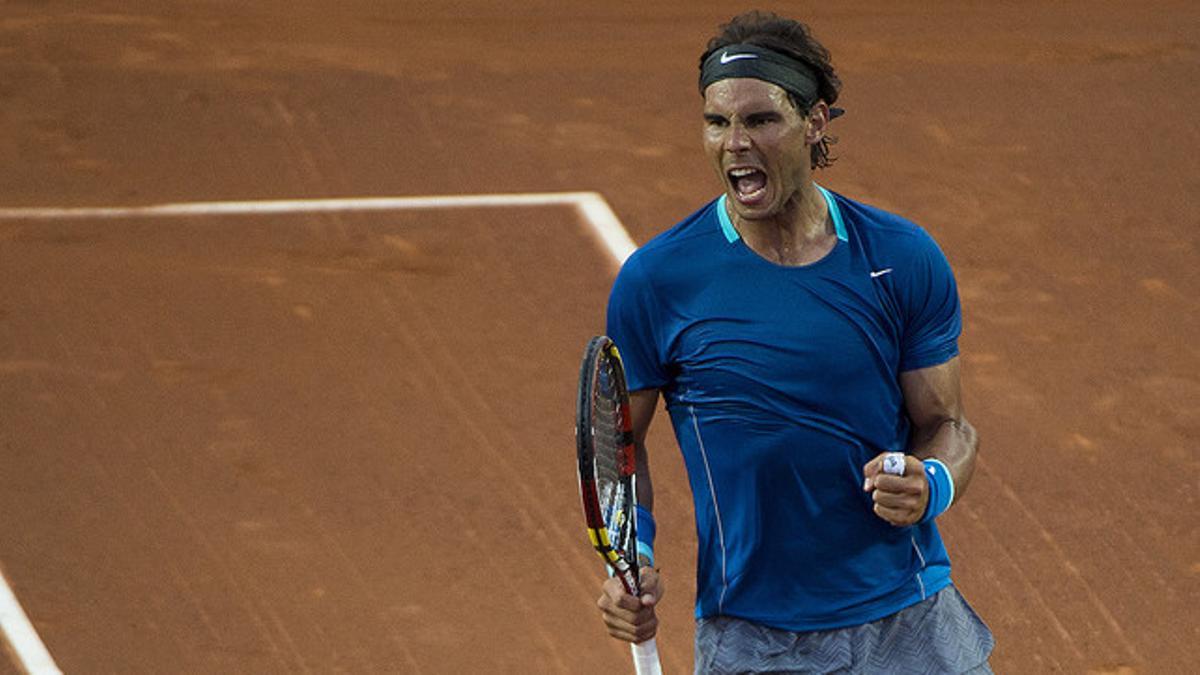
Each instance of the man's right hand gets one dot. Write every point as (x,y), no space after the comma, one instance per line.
(629,618)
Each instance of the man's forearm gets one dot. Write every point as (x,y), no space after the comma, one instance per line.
(645,487)
(645,496)
(955,443)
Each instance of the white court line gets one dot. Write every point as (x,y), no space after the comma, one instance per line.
(594,209)
(591,206)
(21,635)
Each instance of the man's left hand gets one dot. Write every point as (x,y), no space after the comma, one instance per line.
(900,500)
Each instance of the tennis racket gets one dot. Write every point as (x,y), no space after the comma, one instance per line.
(607,462)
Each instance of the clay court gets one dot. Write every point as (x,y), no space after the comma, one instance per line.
(255,434)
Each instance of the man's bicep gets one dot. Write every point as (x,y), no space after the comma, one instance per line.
(933,395)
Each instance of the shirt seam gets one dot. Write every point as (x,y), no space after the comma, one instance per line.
(712,490)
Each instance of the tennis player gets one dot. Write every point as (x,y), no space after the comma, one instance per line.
(802,341)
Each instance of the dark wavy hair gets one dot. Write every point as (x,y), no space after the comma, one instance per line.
(794,39)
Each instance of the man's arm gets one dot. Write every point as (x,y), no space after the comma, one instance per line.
(642,405)
(933,400)
(629,618)
(933,397)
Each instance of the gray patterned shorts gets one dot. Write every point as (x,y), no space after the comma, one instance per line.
(938,635)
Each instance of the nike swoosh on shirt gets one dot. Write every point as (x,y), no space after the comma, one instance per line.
(727,57)
(879,273)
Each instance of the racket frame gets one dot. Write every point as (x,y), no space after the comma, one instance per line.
(622,563)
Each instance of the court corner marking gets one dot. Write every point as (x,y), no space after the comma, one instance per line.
(591,205)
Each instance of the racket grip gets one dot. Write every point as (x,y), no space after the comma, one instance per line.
(645,658)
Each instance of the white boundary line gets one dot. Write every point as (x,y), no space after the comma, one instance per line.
(592,207)
(26,644)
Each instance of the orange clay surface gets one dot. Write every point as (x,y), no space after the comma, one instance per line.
(342,442)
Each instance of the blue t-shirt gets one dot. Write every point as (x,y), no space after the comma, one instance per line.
(781,382)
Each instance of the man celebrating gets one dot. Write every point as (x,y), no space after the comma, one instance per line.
(807,349)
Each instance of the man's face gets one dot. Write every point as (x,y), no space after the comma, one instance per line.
(757,143)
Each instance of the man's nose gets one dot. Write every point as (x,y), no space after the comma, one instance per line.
(738,138)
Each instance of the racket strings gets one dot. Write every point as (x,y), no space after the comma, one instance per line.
(608,436)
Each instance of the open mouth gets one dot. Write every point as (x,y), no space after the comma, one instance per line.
(749,184)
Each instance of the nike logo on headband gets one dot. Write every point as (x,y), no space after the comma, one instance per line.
(727,57)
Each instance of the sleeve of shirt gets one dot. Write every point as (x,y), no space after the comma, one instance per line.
(633,324)
(932,313)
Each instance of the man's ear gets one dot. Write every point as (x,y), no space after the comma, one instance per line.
(818,122)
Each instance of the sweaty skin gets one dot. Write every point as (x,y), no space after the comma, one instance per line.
(760,147)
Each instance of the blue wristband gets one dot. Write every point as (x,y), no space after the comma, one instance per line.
(941,489)
(645,533)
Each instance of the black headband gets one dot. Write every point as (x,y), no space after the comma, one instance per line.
(746,60)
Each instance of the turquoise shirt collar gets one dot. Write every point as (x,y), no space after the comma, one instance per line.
(731,233)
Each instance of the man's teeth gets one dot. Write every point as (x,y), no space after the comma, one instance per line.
(741,173)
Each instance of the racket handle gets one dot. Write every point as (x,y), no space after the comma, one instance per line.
(645,658)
